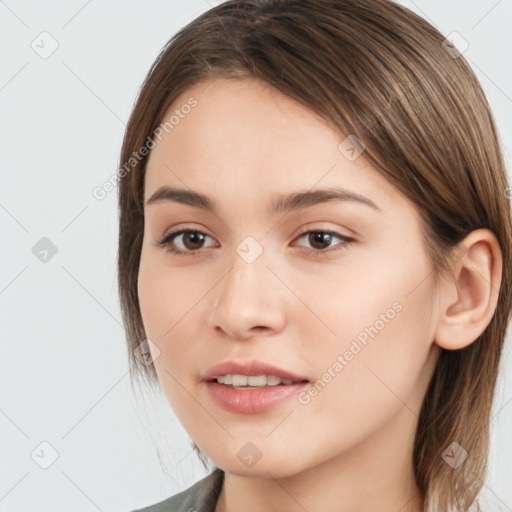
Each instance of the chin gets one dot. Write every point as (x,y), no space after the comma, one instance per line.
(272,467)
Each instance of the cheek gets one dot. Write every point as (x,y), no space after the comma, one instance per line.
(385,348)
(168,303)
(164,313)
(380,327)
(162,297)
(152,300)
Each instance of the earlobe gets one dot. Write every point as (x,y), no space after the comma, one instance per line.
(468,301)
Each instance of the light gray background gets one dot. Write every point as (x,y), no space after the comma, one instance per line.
(63,361)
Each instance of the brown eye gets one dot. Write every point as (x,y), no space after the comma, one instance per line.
(320,241)
(192,241)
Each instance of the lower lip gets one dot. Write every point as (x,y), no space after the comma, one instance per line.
(252,401)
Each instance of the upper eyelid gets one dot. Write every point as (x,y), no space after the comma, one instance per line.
(181,231)
(171,235)
(175,234)
(204,232)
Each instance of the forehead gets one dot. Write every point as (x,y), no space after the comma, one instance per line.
(245,137)
(245,116)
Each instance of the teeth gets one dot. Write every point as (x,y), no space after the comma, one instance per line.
(239,380)
(228,379)
(272,380)
(253,380)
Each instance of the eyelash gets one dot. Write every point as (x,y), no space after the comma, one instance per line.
(169,237)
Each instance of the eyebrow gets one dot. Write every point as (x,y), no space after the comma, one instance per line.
(282,203)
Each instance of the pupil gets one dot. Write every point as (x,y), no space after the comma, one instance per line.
(192,235)
(319,237)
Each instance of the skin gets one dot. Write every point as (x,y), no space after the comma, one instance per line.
(350,447)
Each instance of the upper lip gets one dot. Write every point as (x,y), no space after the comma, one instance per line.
(250,368)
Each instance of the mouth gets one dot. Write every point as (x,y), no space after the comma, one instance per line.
(238,381)
(251,375)
(251,388)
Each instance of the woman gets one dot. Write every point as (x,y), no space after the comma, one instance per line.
(314,252)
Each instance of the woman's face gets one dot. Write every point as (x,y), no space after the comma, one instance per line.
(355,319)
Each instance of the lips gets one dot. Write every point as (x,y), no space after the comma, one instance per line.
(250,368)
(252,400)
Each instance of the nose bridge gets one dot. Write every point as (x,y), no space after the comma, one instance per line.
(248,295)
(248,272)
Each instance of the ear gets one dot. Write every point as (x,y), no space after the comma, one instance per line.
(469,300)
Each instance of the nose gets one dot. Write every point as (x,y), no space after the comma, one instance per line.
(249,299)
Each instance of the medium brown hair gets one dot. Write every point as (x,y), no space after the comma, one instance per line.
(376,70)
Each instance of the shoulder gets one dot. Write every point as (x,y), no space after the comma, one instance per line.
(200,497)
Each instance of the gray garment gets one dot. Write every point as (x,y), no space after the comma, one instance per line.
(200,497)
